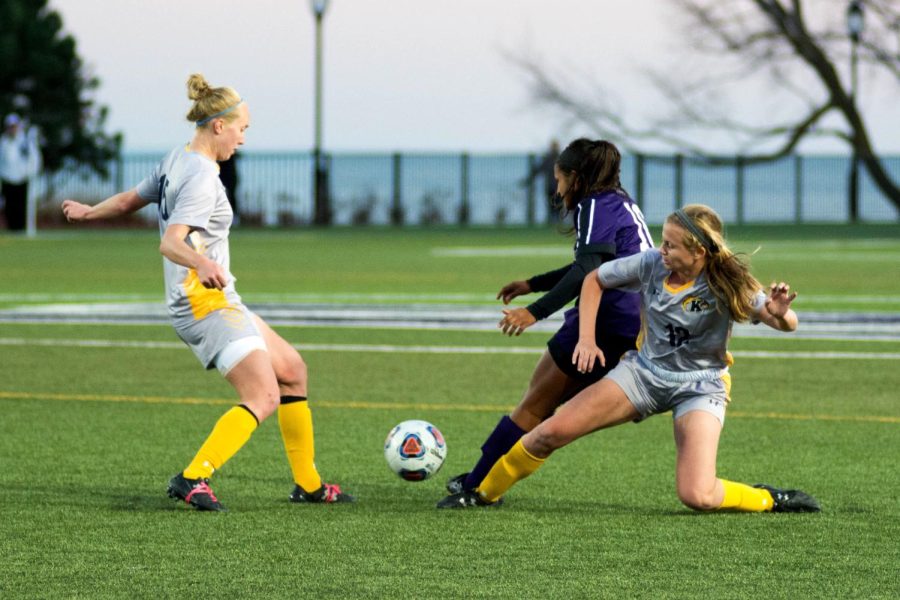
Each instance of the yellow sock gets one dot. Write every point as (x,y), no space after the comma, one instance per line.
(743,498)
(231,431)
(295,421)
(513,466)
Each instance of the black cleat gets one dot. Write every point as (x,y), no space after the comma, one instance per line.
(466,499)
(195,492)
(790,500)
(457,484)
(326,494)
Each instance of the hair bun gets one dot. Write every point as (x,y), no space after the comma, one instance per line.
(197,86)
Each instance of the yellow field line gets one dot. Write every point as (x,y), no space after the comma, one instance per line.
(223,401)
(110,398)
(786,416)
(497,408)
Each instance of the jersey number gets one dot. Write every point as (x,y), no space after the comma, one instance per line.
(161,192)
(638,218)
(678,335)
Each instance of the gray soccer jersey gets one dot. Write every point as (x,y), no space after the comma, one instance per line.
(681,329)
(187,188)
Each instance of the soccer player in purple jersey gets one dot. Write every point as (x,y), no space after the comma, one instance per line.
(607,224)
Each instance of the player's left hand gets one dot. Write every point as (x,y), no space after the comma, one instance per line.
(515,321)
(779,300)
(585,354)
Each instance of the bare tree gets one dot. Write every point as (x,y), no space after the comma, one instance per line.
(797,45)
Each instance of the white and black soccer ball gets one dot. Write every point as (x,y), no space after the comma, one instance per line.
(415,450)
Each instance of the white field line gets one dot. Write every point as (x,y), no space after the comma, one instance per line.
(853,250)
(842,255)
(500,251)
(750,333)
(420,315)
(822,299)
(404,349)
(487,299)
(423,315)
(833,244)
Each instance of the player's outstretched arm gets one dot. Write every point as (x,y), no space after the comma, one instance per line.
(777,312)
(586,351)
(122,203)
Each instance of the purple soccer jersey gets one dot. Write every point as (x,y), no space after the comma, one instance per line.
(612,223)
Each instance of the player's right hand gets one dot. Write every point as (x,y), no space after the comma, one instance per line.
(512,290)
(74,211)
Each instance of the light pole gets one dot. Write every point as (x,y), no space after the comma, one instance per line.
(322,210)
(854,30)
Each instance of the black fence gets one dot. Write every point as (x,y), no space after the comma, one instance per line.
(276,188)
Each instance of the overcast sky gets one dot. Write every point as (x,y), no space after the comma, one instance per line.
(399,74)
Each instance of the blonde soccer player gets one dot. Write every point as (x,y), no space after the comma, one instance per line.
(693,288)
(267,373)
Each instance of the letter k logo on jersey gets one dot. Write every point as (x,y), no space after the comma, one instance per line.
(694,304)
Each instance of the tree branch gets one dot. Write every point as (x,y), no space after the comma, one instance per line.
(756,36)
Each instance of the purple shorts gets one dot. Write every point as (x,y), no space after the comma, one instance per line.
(562,345)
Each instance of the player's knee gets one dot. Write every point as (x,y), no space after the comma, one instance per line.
(264,402)
(536,406)
(525,418)
(697,497)
(543,440)
(270,402)
(294,373)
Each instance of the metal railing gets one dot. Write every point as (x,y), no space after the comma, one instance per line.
(276,188)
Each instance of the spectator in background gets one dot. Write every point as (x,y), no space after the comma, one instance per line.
(543,168)
(20,160)
(229,177)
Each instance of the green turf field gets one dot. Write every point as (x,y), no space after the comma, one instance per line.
(97,417)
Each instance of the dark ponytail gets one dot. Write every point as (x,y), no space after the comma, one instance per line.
(602,168)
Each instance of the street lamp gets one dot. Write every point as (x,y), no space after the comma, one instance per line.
(322,212)
(854,30)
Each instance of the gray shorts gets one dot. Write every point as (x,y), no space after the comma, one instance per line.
(651,394)
(211,334)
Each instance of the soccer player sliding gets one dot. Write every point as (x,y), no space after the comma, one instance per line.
(693,288)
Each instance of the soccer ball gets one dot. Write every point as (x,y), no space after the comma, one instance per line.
(415,450)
